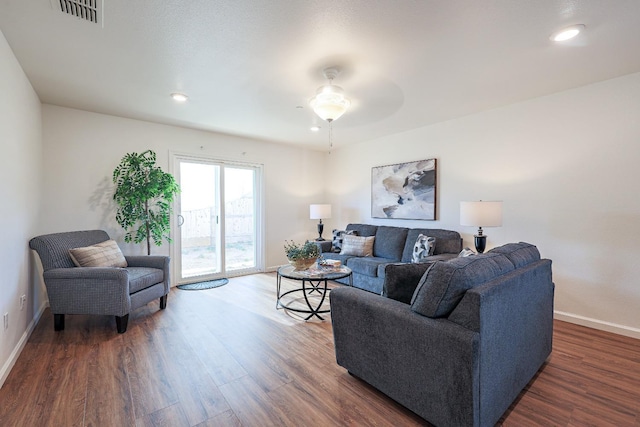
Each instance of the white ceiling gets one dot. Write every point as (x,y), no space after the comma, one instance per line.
(248,64)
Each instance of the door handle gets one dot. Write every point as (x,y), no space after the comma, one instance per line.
(180,220)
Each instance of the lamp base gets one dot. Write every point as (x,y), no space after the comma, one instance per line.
(481,243)
(320,230)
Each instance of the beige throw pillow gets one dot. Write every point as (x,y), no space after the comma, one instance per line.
(105,254)
(357,245)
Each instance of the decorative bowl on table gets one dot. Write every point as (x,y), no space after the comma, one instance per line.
(301,256)
(302,263)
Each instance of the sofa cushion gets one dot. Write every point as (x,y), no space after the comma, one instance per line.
(520,254)
(357,245)
(423,248)
(103,254)
(338,237)
(368,266)
(143,277)
(390,242)
(443,285)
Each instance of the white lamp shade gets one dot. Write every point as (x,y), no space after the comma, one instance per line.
(481,214)
(319,211)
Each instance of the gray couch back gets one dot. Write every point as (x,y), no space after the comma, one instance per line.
(444,285)
(53,249)
(397,242)
(389,242)
(365,230)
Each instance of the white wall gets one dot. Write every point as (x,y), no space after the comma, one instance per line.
(566,167)
(20,179)
(81,150)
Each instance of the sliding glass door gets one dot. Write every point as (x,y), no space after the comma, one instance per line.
(240,212)
(218,219)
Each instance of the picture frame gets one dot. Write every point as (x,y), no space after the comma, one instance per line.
(405,190)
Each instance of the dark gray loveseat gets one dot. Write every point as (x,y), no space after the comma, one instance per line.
(391,264)
(477,330)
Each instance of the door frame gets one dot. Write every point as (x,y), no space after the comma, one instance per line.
(175,246)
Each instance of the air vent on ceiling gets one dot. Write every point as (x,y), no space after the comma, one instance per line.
(89,10)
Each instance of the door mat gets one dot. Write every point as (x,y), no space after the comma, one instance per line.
(203,285)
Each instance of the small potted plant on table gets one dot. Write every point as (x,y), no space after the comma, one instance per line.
(301,256)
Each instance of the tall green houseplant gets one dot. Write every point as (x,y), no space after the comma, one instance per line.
(144,193)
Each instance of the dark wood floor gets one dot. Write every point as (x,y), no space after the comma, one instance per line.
(226,356)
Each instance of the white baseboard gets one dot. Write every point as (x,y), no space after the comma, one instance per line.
(598,324)
(6,369)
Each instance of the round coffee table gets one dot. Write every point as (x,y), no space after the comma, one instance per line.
(313,280)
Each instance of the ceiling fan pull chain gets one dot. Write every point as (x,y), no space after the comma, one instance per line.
(330,137)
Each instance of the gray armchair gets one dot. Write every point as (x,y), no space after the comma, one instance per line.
(98,290)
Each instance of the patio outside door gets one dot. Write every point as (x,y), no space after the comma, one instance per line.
(217,234)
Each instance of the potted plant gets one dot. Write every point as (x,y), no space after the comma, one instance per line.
(144,193)
(301,256)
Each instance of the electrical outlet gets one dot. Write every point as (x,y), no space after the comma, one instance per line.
(6,321)
(23,299)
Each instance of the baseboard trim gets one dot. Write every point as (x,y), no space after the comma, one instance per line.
(6,369)
(598,324)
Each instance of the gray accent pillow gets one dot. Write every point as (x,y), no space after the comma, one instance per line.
(444,284)
(423,248)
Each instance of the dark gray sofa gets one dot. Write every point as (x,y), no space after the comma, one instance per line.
(391,260)
(477,330)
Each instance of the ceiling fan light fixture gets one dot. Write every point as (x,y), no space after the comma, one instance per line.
(330,103)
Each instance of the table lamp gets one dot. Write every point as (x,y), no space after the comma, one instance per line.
(481,214)
(319,212)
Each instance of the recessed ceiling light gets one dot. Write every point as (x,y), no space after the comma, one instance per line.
(567,33)
(179,97)
(315,128)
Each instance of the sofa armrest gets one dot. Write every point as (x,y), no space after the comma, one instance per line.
(88,290)
(151,261)
(324,246)
(514,316)
(428,365)
(89,274)
(401,280)
(440,257)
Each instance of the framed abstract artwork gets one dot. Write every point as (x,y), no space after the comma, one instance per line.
(404,190)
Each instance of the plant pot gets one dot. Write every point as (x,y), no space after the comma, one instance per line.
(302,264)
